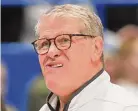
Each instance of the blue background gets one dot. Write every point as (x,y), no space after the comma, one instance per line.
(22,61)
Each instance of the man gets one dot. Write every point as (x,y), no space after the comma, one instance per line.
(70,51)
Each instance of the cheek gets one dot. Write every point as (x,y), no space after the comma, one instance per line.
(79,56)
(41,60)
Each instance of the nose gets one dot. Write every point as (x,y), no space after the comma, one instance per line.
(53,52)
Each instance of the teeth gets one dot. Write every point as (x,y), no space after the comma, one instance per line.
(57,65)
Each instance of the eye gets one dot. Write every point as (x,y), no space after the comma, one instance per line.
(41,44)
(45,44)
(63,39)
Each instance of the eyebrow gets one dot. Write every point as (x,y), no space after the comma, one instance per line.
(57,34)
(43,37)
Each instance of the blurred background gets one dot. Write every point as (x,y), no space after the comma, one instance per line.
(22,84)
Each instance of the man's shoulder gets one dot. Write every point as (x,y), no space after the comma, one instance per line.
(44,108)
(119,95)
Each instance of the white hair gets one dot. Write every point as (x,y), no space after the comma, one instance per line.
(91,21)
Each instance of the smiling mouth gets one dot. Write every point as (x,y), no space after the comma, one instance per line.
(55,65)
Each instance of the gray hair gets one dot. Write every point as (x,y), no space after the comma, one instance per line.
(91,21)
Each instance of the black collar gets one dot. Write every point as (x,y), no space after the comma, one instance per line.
(73,95)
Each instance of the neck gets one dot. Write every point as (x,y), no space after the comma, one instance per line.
(63,101)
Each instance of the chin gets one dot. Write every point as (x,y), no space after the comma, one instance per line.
(60,93)
(57,87)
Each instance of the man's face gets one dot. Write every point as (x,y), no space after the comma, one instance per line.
(65,70)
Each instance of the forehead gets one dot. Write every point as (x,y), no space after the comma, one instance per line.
(52,26)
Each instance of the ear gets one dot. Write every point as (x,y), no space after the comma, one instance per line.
(98,45)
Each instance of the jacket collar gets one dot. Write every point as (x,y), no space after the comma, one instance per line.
(79,97)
